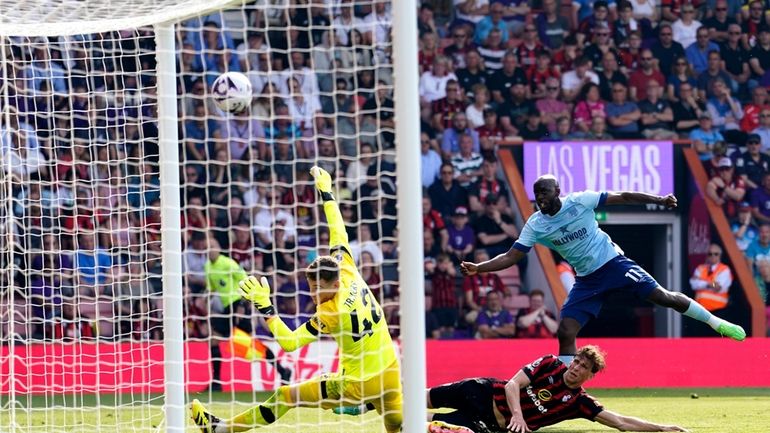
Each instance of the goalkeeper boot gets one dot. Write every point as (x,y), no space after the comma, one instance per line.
(205,421)
(445,427)
(732,330)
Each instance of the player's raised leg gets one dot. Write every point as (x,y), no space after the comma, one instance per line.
(322,391)
(690,308)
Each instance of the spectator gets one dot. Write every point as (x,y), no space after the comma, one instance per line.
(429,160)
(489,133)
(425,20)
(515,15)
(600,45)
(758,254)
(471,11)
(447,194)
(530,47)
(704,137)
(242,248)
(467,163)
(719,151)
(735,58)
(551,107)
(588,106)
(751,110)
(451,142)
(610,75)
(476,288)
(540,73)
(599,19)
(686,27)
(493,51)
(240,134)
(432,220)
(563,129)
(572,82)
(461,236)
(445,109)
(599,129)
(493,321)
(492,21)
(622,115)
(719,23)
(744,228)
(759,57)
(726,112)
(687,110)
(656,115)
(475,111)
(516,110)
(444,296)
(630,21)
(666,49)
(459,49)
(473,73)
(552,27)
(345,22)
(752,164)
(364,242)
(93,266)
(726,189)
(698,52)
(757,20)
(712,73)
(433,83)
(763,130)
(682,73)
(356,172)
(268,215)
(501,81)
(760,201)
(533,129)
(639,79)
(711,281)
(494,229)
(489,183)
(536,321)
(380,109)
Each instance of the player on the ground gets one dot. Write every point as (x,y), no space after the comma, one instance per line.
(345,309)
(543,393)
(569,226)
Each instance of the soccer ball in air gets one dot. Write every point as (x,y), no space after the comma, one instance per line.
(232,92)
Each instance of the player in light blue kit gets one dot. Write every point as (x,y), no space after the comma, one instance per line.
(569,227)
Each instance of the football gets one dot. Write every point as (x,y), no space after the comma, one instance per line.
(232,92)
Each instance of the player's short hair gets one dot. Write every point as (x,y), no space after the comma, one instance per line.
(595,355)
(323,268)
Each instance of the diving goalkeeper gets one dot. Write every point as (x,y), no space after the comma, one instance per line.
(345,309)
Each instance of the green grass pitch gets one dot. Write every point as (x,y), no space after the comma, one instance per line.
(715,411)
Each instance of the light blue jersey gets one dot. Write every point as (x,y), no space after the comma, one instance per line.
(573,232)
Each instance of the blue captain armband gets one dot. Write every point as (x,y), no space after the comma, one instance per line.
(523,248)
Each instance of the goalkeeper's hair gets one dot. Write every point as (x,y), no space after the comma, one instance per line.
(323,268)
(594,354)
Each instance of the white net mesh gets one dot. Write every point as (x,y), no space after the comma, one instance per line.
(81,302)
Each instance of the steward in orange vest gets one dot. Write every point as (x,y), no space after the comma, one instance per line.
(711,281)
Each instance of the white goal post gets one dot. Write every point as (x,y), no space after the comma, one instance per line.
(117,32)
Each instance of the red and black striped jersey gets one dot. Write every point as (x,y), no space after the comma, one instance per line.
(547,400)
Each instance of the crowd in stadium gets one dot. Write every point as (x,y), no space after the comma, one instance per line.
(82,146)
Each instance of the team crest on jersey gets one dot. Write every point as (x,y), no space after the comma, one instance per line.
(564,229)
(338,256)
(544,395)
(566,398)
(222,283)
(550,380)
(573,212)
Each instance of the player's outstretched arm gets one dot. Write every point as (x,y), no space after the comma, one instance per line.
(258,292)
(629,423)
(502,261)
(337,234)
(512,395)
(627,197)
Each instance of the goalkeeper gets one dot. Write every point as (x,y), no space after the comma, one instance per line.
(345,309)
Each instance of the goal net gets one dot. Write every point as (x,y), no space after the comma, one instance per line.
(82,298)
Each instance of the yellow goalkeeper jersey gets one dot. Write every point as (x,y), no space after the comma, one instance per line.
(353,317)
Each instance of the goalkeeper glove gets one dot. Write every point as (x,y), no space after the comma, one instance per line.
(258,292)
(323,182)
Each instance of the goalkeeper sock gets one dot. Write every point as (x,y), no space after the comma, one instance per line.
(266,413)
(216,363)
(697,312)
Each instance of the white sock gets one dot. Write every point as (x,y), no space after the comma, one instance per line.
(697,312)
(566,359)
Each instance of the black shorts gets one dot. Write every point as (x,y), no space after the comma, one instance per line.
(472,400)
(446,317)
(224,322)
